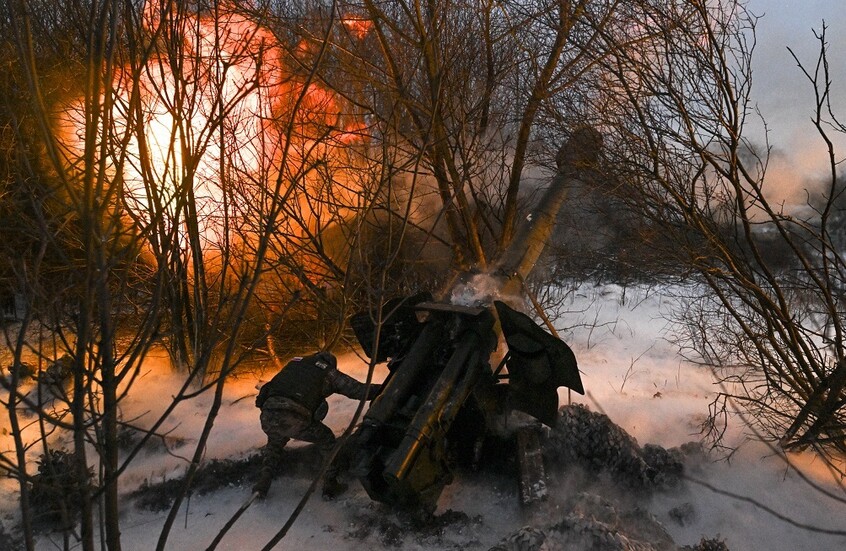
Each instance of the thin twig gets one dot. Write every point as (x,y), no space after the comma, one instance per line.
(765,508)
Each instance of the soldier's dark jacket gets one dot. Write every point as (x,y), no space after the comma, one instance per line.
(308,381)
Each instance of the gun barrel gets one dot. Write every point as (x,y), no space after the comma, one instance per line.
(579,152)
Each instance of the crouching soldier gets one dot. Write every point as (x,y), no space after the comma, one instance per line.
(293,404)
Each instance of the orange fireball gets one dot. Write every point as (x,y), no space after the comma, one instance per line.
(215,126)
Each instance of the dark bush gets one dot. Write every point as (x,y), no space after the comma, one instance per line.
(57,489)
(127,437)
(10,541)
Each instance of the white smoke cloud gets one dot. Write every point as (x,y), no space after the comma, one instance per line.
(479,290)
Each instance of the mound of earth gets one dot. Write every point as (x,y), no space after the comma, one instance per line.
(610,461)
(593,442)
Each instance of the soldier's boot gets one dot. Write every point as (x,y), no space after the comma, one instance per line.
(332,488)
(262,485)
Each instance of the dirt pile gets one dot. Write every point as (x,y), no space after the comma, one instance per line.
(593,442)
(609,460)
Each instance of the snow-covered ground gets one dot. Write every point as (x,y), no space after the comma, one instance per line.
(631,372)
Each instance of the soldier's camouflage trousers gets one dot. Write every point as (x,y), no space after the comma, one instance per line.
(282,420)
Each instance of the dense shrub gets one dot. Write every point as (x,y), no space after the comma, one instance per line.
(56,490)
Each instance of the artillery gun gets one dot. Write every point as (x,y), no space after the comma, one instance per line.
(442,397)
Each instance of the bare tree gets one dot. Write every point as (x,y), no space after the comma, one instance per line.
(676,120)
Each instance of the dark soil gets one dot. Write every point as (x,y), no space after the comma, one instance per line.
(396,528)
(210,477)
(303,462)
